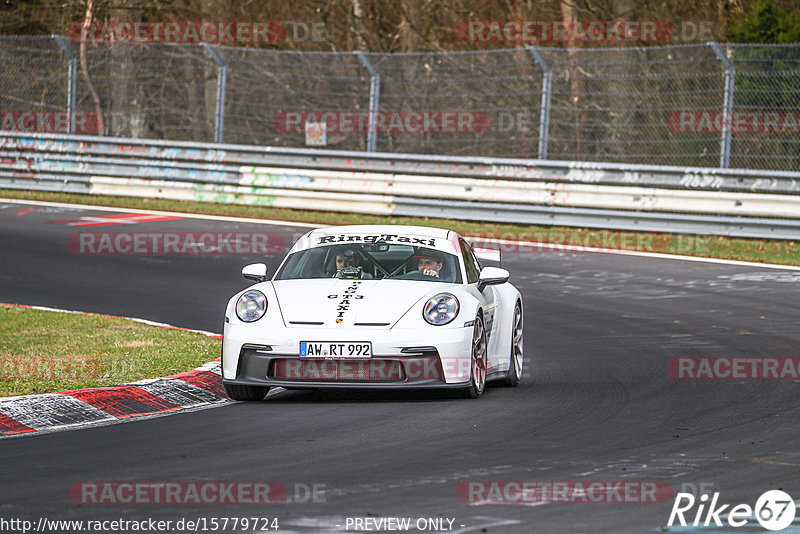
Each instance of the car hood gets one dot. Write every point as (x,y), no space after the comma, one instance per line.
(332,301)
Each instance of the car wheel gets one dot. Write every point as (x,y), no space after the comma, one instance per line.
(514,373)
(478,362)
(246,393)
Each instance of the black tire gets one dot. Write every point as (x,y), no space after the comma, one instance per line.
(479,362)
(246,393)
(514,374)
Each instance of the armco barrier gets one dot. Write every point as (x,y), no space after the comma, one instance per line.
(742,203)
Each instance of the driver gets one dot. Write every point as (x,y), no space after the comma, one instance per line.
(429,263)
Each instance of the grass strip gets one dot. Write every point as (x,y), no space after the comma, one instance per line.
(46,351)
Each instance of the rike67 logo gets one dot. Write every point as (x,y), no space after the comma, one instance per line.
(774,510)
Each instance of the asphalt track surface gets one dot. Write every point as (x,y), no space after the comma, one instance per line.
(596,402)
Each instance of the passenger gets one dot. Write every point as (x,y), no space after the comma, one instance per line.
(348,265)
(347,258)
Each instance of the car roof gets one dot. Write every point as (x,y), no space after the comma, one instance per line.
(428,231)
(436,238)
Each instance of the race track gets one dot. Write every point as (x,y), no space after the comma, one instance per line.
(596,403)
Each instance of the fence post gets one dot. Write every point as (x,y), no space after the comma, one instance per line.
(727,104)
(72,71)
(374,98)
(222,77)
(547,85)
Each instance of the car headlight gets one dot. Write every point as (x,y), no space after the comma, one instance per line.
(440,309)
(251,306)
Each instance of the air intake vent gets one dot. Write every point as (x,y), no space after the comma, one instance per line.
(421,351)
(257,348)
(313,323)
(371,324)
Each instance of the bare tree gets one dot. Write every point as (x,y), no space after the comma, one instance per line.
(87,22)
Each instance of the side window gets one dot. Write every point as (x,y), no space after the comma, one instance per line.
(473,269)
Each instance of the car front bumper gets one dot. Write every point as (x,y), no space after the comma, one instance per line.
(400,358)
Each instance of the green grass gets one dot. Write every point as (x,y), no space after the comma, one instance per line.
(754,250)
(46,351)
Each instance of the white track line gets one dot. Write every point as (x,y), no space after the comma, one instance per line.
(566,248)
(156,212)
(135,319)
(660,255)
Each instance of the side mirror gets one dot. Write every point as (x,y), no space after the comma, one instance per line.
(492,276)
(256,272)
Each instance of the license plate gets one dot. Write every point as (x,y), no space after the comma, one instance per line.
(335,349)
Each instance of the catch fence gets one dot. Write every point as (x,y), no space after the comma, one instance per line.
(701,105)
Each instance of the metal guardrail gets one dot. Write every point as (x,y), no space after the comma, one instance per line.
(743,203)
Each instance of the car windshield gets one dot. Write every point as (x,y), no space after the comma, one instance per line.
(376,261)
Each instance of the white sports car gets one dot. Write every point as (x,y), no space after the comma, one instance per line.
(373,306)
